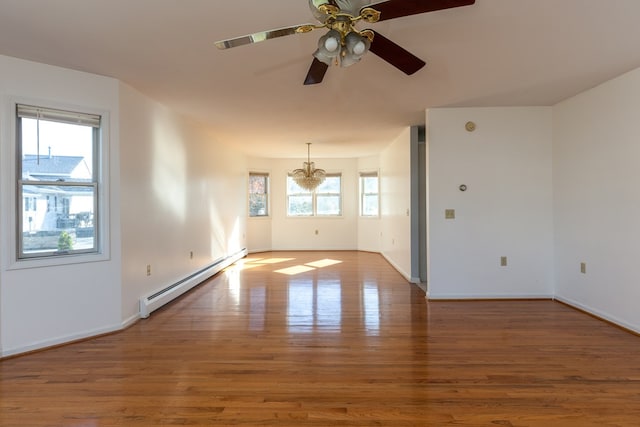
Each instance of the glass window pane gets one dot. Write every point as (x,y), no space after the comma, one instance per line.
(328,205)
(54,151)
(257,184)
(257,204)
(62,219)
(293,188)
(370,184)
(258,194)
(57,181)
(300,205)
(330,185)
(370,205)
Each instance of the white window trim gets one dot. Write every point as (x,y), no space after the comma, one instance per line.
(314,202)
(10,185)
(360,193)
(269,195)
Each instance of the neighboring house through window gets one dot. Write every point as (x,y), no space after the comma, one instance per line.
(58,162)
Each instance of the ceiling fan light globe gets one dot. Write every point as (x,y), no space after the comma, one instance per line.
(359,48)
(320,56)
(331,44)
(348,60)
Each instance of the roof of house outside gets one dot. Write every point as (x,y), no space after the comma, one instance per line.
(53,168)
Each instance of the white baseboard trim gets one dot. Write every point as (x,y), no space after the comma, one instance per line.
(159,298)
(599,314)
(257,251)
(83,335)
(130,321)
(462,297)
(404,274)
(53,342)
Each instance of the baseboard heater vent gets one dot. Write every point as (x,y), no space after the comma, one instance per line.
(157,299)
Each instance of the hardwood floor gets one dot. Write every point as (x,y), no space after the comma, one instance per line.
(293,339)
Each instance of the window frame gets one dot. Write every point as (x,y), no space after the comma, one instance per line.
(314,198)
(362,194)
(267,192)
(99,183)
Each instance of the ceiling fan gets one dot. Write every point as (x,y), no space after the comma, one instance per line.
(344,44)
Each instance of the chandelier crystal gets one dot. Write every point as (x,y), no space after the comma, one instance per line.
(309,177)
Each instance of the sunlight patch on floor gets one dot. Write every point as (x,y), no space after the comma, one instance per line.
(296,269)
(323,263)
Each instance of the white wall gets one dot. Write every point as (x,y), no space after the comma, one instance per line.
(597,201)
(259,229)
(395,203)
(334,233)
(182,192)
(506,211)
(348,232)
(53,304)
(172,189)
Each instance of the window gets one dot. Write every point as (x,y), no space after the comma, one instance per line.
(258,194)
(326,200)
(369,198)
(57,175)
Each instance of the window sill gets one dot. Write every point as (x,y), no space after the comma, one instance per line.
(54,261)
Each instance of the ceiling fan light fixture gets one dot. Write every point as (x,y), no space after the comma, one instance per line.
(355,47)
(329,47)
(344,44)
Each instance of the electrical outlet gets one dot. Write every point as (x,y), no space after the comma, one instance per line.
(191,255)
(503,261)
(583,267)
(450,214)
(148,269)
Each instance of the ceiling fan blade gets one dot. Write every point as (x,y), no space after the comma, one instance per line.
(391,9)
(395,55)
(264,35)
(316,72)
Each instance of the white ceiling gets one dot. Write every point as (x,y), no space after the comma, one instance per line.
(494,53)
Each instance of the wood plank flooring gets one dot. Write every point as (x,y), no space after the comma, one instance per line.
(333,339)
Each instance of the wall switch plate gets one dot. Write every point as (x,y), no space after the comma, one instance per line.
(503,261)
(450,214)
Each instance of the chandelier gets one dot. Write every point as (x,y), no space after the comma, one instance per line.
(308,177)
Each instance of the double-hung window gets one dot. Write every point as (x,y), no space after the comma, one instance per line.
(258,194)
(58,182)
(325,200)
(369,194)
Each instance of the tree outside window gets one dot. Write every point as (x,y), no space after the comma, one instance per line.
(258,194)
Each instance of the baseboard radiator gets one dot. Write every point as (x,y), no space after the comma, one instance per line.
(154,301)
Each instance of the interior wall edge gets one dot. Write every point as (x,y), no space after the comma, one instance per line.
(399,269)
